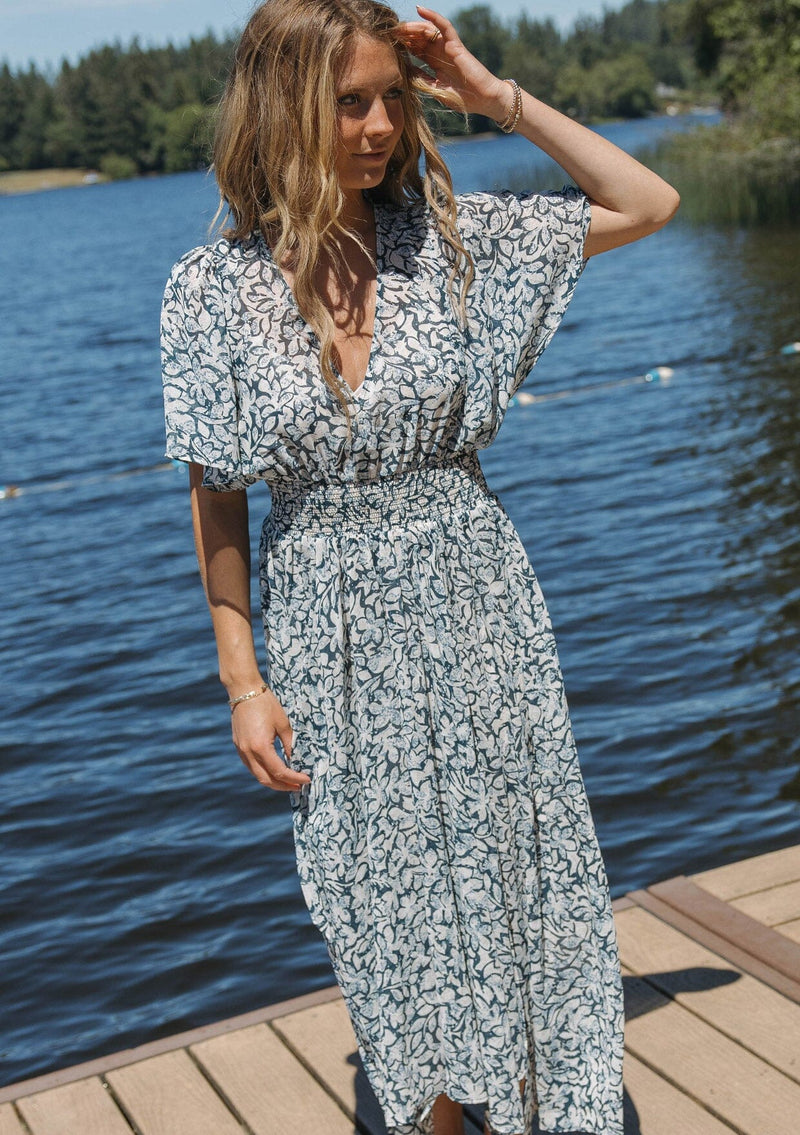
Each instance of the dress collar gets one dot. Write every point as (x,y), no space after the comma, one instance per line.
(400,232)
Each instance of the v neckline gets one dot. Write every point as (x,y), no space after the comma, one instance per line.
(291,302)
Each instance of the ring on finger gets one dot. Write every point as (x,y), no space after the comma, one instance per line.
(436,35)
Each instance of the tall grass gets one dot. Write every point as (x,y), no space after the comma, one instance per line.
(727,175)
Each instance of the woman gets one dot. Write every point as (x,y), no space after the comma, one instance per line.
(353,340)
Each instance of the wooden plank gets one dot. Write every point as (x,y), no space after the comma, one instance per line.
(653,1106)
(776,905)
(322,1037)
(622,903)
(268,1086)
(9,1123)
(168,1095)
(790,929)
(748,875)
(778,951)
(166,1044)
(737,1087)
(84,1108)
(741,959)
(745,1009)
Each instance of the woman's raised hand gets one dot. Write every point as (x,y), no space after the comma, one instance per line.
(256,723)
(435,41)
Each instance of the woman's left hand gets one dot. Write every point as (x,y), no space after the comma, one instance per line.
(435,41)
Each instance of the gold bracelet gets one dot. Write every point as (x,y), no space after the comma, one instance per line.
(233,702)
(509,123)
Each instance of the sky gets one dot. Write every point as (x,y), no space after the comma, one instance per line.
(45,31)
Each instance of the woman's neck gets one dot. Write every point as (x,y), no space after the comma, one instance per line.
(358,213)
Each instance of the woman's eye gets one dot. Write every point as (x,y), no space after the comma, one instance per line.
(353,99)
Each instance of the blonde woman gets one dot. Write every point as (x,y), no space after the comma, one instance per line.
(354,339)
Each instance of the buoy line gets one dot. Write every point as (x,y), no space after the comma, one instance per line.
(657,374)
(660,375)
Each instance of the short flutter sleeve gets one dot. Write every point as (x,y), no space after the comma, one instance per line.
(200,403)
(527,250)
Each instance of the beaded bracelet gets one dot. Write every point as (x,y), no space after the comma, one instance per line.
(233,702)
(509,123)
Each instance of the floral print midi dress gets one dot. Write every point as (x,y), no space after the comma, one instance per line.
(445,846)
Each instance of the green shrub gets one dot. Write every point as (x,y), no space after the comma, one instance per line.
(118,167)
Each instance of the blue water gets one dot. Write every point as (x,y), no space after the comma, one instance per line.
(148,883)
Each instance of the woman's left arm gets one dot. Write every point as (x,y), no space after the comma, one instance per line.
(628,200)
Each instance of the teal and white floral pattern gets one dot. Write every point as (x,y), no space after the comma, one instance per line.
(445,845)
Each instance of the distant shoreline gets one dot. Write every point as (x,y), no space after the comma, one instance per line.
(16,182)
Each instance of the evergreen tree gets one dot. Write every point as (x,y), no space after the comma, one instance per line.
(129,109)
(11,110)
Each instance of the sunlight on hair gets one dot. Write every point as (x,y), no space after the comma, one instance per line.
(275,144)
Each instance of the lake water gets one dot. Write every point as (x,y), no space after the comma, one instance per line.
(148,883)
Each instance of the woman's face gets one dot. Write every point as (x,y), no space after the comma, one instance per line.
(370,114)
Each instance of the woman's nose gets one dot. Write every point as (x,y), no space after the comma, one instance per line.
(378,121)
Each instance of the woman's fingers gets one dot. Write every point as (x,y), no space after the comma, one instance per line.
(420,33)
(269,770)
(458,73)
(278,775)
(256,724)
(438,20)
(426,39)
(286,734)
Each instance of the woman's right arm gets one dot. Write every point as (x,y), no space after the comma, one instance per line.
(222,540)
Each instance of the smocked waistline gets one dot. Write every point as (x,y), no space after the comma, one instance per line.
(382,501)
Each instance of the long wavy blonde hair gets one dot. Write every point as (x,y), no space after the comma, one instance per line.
(275,144)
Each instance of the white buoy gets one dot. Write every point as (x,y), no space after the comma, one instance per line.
(659,374)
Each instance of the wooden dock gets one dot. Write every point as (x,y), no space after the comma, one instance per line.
(712,975)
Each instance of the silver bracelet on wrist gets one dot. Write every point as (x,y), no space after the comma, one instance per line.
(233,702)
(509,123)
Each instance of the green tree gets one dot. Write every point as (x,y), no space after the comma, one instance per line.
(637,22)
(28,147)
(534,72)
(187,137)
(152,108)
(575,92)
(628,85)
(706,43)
(11,110)
(483,35)
(622,87)
(758,37)
(541,36)
(118,167)
(585,45)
